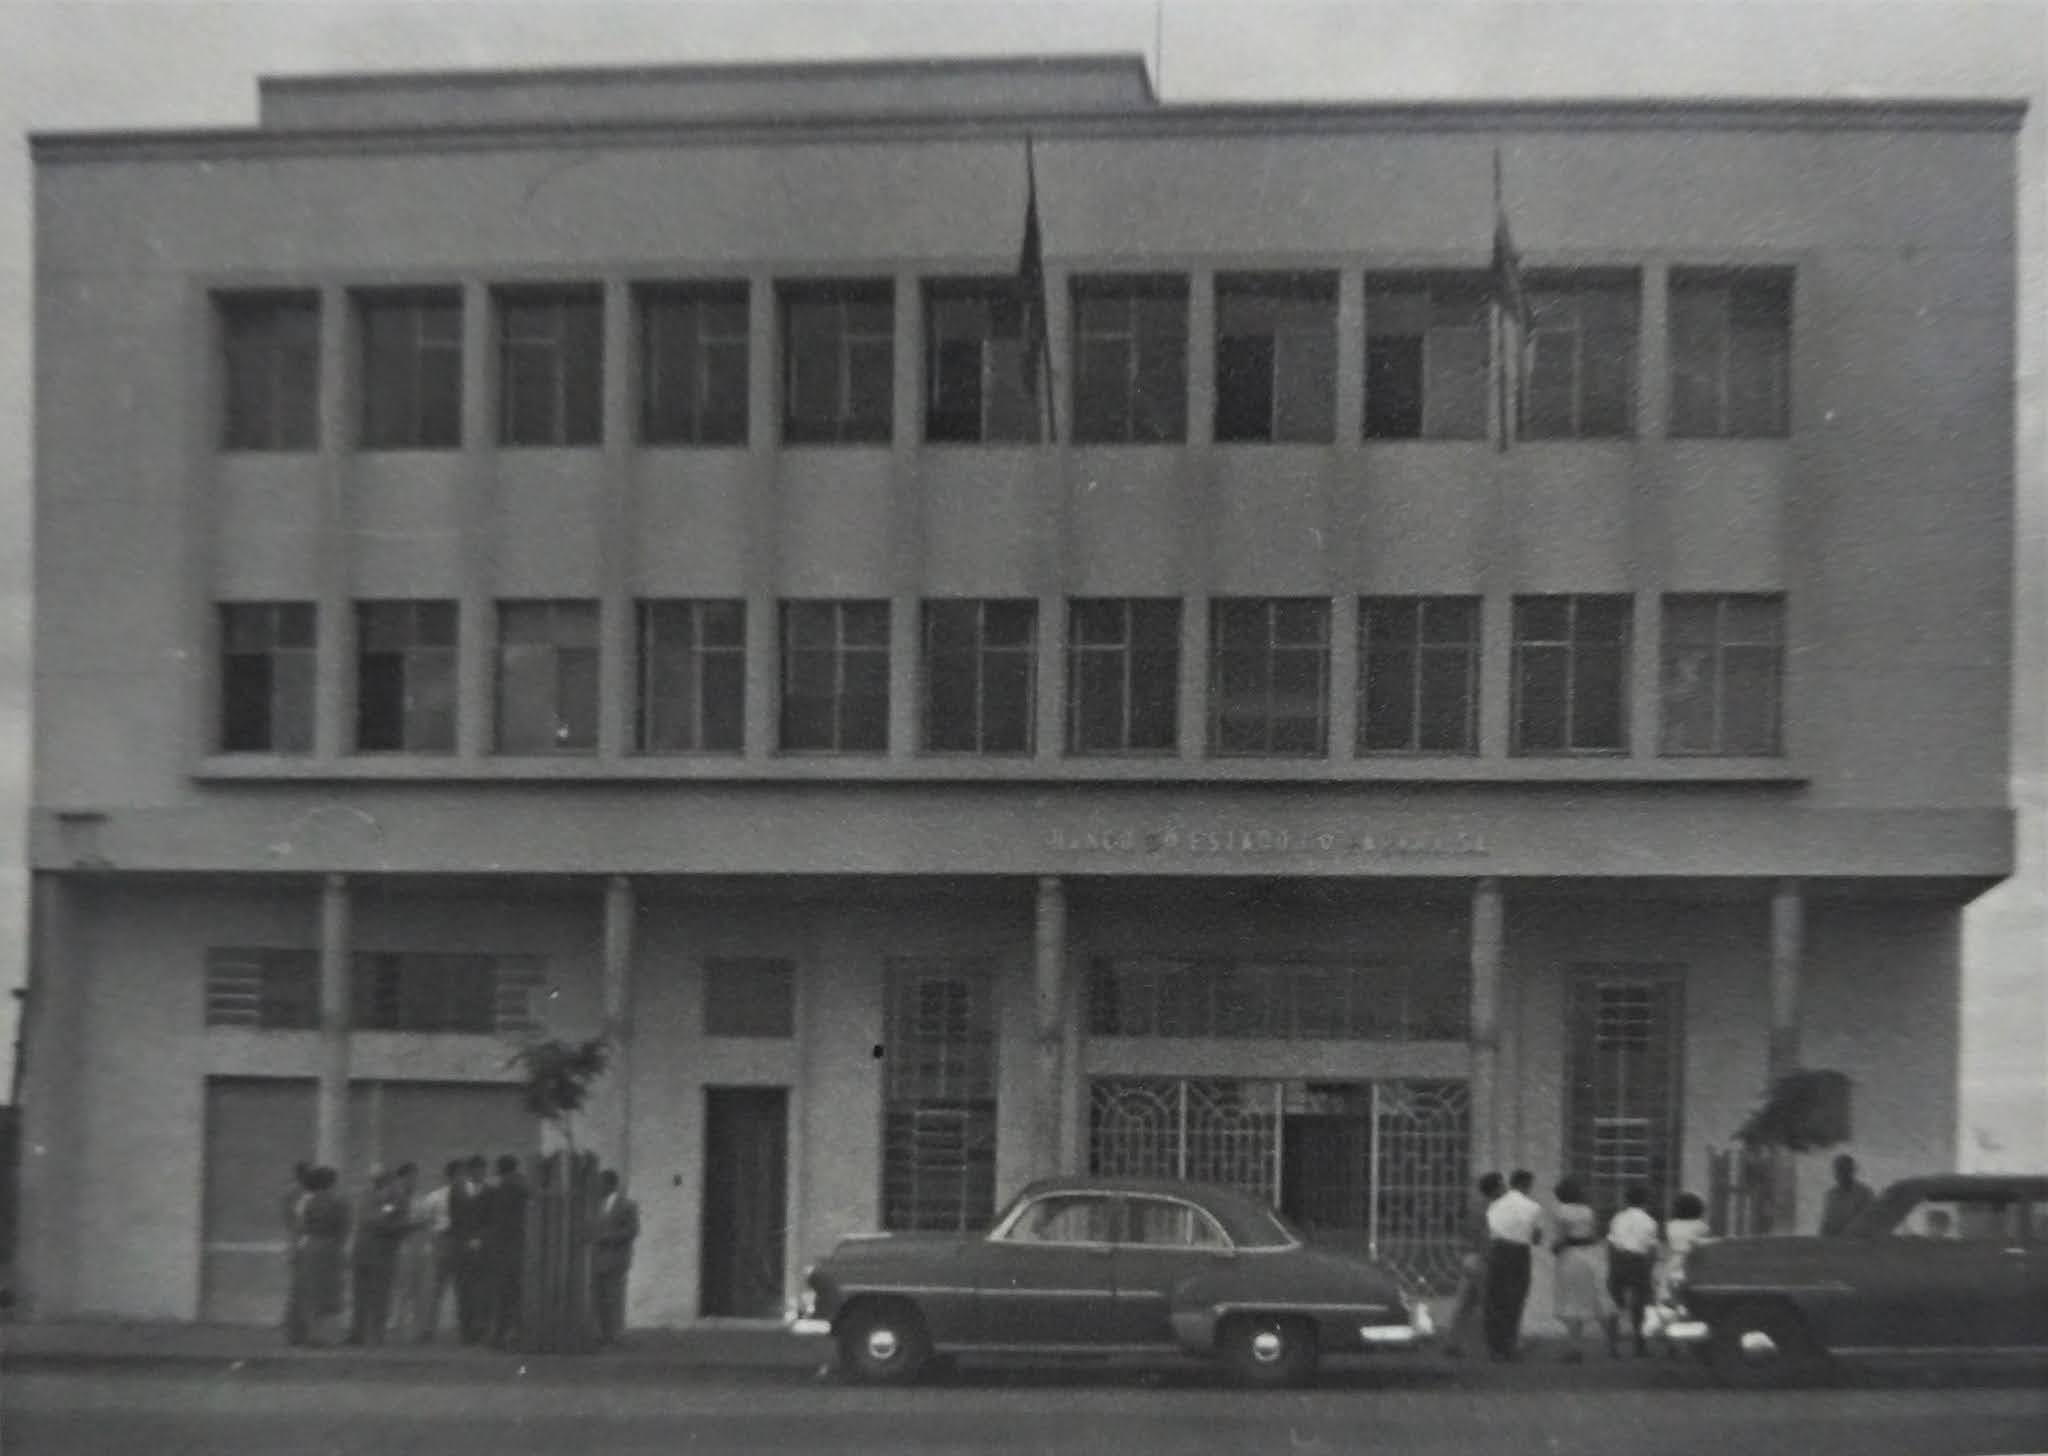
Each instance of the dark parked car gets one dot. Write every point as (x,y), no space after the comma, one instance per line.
(1109,1266)
(1936,1269)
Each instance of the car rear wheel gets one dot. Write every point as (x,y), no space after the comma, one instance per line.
(1267,1353)
(883,1342)
(1762,1345)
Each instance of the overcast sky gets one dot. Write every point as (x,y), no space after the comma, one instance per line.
(71,64)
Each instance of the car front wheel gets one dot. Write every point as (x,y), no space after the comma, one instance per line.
(1267,1353)
(883,1342)
(1762,1345)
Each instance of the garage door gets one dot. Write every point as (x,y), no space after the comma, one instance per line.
(257,1128)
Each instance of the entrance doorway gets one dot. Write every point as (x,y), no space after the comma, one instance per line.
(746,1201)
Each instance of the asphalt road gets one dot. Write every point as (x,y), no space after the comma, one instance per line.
(197,1413)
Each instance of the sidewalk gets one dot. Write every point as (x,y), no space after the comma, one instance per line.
(762,1351)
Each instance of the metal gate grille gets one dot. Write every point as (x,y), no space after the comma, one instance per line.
(1412,1138)
(1623,1083)
(939,1123)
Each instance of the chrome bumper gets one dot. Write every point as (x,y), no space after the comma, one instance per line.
(808,1327)
(1687,1332)
(1420,1330)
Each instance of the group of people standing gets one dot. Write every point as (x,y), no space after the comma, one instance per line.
(1606,1278)
(392,1259)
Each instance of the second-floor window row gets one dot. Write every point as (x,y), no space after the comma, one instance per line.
(1431,351)
(1265,689)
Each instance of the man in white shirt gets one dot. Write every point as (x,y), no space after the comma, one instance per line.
(1632,1243)
(1514,1226)
(437,1267)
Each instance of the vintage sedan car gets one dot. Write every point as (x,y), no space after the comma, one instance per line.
(1109,1266)
(1937,1269)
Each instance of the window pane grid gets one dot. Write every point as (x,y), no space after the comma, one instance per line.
(1723,676)
(1269,677)
(1418,688)
(692,676)
(693,365)
(270,352)
(980,663)
(550,365)
(1130,361)
(1123,675)
(835,676)
(1582,359)
(411,370)
(976,389)
(267,670)
(1148,998)
(1731,354)
(405,676)
(1276,359)
(547,677)
(838,365)
(1571,675)
(1624,1082)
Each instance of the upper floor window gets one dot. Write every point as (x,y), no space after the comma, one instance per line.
(838,363)
(1731,352)
(1123,675)
(979,660)
(693,364)
(1428,341)
(1269,676)
(1418,675)
(270,376)
(279,990)
(411,369)
(405,677)
(1581,359)
(550,366)
(1130,360)
(1276,358)
(1571,674)
(547,677)
(976,391)
(266,677)
(835,677)
(1292,1000)
(750,997)
(693,676)
(1724,675)
(263,989)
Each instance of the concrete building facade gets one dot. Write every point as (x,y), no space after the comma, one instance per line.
(628,554)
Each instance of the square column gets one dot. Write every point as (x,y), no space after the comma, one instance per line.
(621,924)
(1051,1015)
(1487,952)
(330,1106)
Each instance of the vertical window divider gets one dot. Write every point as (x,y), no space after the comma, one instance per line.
(476,627)
(615,637)
(334,624)
(1344,650)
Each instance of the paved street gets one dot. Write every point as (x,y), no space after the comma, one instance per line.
(281,1412)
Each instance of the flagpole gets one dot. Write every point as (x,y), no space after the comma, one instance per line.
(1040,301)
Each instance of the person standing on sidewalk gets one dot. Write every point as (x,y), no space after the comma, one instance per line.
(413,1253)
(378,1233)
(292,1209)
(1632,1242)
(469,1213)
(506,1258)
(436,1270)
(1468,1307)
(318,1259)
(611,1257)
(1514,1226)
(1576,1249)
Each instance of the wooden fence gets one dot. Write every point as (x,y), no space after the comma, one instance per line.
(1748,1191)
(557,1315)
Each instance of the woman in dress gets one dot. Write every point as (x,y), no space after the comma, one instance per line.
(1576,1249)
(319,1262)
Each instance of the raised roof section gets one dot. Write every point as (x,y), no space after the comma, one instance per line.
(1025,85)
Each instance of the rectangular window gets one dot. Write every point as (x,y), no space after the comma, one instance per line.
(270,370)
(1428,341)
(1269,676)
(1418,675)
(1571,674)
(1276,358)
(550,366)
(693,364)
(693,676)
(835,677)
(939,1098)
(1724,675)
(1731,353)
(266,677)
(1123,675)
(1284,1000)
(755,998)
(838,363)
(412,991)
(411,369)
(547,677)
(265,990)
(976,392)
(405,677)
(1130,360)
(1624,1075)
(1581,362)
(979,667)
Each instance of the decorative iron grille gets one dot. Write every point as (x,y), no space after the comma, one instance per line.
(1624,1082)
(939,1122)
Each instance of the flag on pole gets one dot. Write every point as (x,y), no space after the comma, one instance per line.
(1031,293)
(1511,315)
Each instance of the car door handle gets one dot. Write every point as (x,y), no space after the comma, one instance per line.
(2015,1253)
